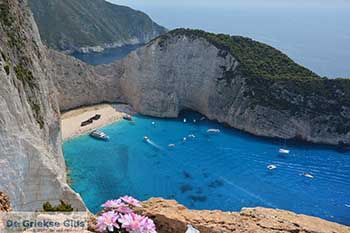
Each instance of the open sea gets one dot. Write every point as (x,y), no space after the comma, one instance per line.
(226,170)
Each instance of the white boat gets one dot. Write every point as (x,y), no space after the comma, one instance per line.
(271,167)
(127,117)
(99,135)
(308,175)
(283,151)
(213,131)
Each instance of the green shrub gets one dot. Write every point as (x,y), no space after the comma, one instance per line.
(5,16)
(62,207)
(25,76)
(7,69)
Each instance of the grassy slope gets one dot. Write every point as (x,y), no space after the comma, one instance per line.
(79,23)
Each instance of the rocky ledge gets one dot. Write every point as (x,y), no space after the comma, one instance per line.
(171,217)
(5,205)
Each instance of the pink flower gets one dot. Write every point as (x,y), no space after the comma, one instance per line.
(131,201)
(113,204)
(137,224)
(107,221)
(124,210)
(149,226)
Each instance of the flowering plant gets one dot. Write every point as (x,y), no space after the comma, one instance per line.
(118,216)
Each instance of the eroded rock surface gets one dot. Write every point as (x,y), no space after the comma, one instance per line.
(31,161)
(171,217)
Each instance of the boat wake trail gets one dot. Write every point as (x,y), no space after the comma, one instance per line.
(149,141)
(267,203)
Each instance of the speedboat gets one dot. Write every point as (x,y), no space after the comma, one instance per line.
(99,135)
(283,151)
(213,131)
(308,175)
(271,167)
(127,117)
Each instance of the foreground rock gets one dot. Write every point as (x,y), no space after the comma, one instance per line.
(5,205)
(171,217)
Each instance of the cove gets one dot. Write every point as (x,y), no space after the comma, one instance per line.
(225,171)
(107,56)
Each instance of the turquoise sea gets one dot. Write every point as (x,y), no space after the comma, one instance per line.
(225,171)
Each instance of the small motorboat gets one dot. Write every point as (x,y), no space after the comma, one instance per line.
(213,131)
(99,135)
(308,175)
(283,151)
(172,145)
(127,117)
(146,139)
(271,167)
(185,120)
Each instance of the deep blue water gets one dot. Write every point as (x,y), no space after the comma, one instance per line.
(107,56)
(225,171)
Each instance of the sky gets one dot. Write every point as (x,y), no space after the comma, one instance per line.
(226,3)
(315,33)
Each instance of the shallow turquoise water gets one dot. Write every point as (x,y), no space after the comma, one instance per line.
(225,171)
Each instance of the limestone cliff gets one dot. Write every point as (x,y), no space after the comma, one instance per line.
(237,81)
(32,166)
(91,25)
(246,84)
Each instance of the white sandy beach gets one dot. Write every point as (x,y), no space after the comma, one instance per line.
(71,120)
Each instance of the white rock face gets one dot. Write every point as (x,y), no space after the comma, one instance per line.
(182,72)
(31,161)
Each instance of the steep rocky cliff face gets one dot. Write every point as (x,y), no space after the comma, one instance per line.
(80,84)
(32,166)
(246,84)
(237,81)
(91,25)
